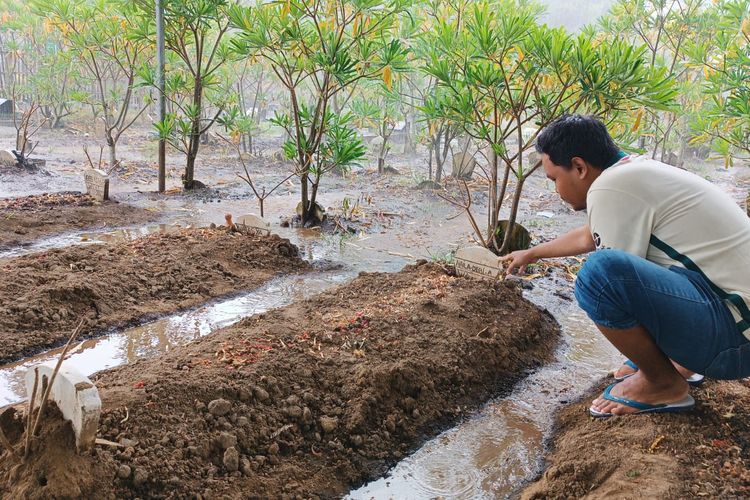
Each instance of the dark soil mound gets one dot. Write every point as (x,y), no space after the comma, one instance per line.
(314,398)
(44,296)
(23,220)
(701,453)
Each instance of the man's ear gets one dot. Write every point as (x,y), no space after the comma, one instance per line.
(580,166)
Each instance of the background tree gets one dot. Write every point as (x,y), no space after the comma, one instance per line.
(57,82)
(380,108)
(725,64)
(317,49)
(195,33)
(23,45)
(109,40)
(669,30)
(441,127)
(508,77)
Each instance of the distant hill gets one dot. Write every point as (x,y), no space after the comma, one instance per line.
(573,14)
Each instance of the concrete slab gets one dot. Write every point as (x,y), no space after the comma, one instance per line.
(75,395)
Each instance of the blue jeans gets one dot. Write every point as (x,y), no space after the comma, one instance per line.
(677,307)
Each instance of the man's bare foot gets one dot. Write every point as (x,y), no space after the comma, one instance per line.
(627,370)
(637,388)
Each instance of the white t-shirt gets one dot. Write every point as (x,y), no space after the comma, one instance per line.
(675,218)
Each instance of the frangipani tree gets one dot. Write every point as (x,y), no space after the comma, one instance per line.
(108,38)
(317,49)
(35,71)
(381,108)
(508,77)
(725,61)
(194,34)
(671,32)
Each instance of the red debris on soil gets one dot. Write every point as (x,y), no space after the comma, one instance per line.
(701,453)
(44,295)
(312,399)
(23,220)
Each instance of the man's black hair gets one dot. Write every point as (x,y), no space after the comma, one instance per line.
(576,135)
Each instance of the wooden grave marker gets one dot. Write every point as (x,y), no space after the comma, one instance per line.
(478,262)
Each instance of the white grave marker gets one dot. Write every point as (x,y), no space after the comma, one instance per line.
(252,224)
(478,262)
(7,158)
(97,184)
(463,166)
(76,397)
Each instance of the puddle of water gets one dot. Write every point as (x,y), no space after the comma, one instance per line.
(495,451)
(88,238)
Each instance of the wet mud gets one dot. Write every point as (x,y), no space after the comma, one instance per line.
(701,453)
(312,399)
(29,218)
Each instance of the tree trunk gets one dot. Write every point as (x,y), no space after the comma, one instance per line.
(112,149)
(438,161)
(195,136)
(381,164)
(440,156)
(429,162)
(410,146)
(304,196)
(681,155)
(494,202)
(512,218)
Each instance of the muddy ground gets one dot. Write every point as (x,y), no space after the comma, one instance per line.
(701,453)
(29,218)
(44,295)
(181,443)
(312,399)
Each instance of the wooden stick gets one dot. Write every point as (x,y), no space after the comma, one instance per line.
(6,442)
(48,389)
(32,401)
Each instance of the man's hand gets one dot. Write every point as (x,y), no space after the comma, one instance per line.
(518,260)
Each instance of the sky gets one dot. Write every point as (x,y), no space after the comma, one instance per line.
(573,14)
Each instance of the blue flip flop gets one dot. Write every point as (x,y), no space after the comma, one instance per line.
(695,379)
(687,403)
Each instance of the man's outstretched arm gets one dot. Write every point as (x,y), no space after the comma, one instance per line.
(574,242)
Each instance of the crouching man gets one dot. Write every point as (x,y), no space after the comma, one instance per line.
(669,281)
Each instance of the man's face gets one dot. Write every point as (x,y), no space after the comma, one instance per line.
(570,183)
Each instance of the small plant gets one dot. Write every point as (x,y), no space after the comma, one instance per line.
(447,257)
(349,209)
(319,49)
(260,192)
